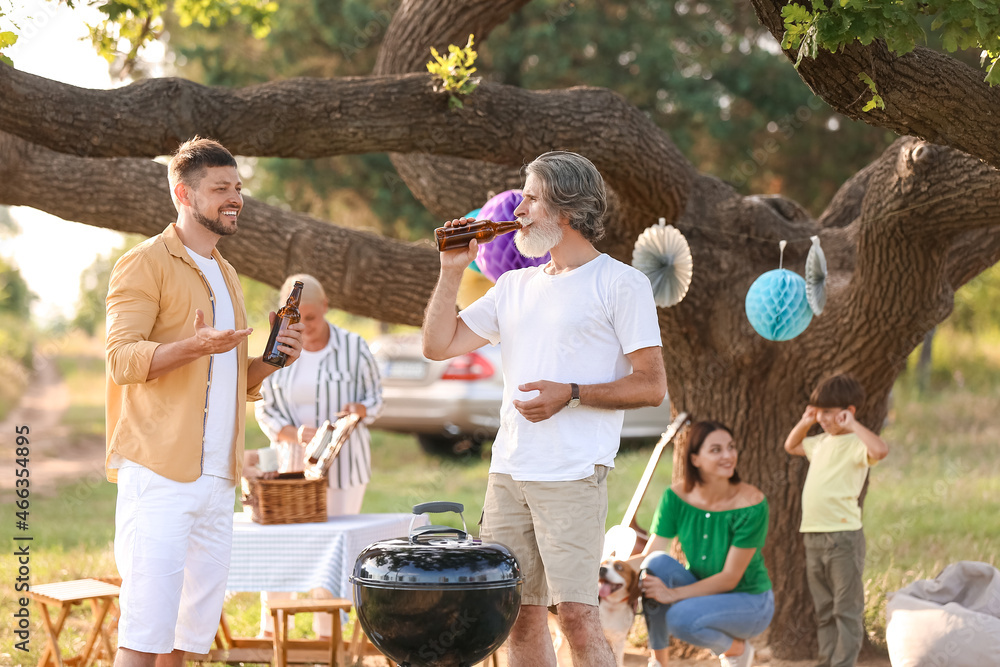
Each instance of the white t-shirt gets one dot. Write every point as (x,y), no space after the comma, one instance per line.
(302,395)
(220,421)
(572,327)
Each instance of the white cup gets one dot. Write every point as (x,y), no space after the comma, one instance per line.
(267,459)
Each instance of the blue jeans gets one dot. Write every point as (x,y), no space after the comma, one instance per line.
(712,621)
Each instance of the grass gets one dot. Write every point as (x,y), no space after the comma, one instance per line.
(934,501)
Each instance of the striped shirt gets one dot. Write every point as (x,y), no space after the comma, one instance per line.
(308,394)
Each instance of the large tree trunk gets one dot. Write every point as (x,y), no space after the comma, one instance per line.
(900,236)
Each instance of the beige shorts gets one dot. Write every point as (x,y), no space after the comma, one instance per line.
(554,529)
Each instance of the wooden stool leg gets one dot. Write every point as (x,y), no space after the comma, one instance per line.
(277,618)
(52,651)
(336,640)
(100,610)
(357,643)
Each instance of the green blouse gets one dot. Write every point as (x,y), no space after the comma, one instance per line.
(707,536)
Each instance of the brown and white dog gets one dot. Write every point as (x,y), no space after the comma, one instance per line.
(618,600)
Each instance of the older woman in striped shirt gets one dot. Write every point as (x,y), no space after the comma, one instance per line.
(335,373)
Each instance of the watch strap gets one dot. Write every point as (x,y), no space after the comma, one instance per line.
(574,399)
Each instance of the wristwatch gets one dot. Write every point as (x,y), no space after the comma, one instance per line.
(575,399)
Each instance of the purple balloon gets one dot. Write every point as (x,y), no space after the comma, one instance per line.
(501,255)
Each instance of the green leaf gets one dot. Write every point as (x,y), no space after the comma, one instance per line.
(993,72)
(5,60)
(454,72)
(867,80)
(795,14)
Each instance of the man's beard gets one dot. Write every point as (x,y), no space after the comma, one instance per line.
(544,237)
(216,226)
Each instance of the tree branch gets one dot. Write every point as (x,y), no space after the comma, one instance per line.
(420,24)
(927,94)
(308,118)
(362,273)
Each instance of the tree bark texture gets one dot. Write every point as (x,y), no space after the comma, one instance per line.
(362,273)
(900,237)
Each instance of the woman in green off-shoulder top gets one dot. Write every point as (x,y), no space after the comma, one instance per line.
(723,597)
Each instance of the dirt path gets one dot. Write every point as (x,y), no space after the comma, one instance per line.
(56,456)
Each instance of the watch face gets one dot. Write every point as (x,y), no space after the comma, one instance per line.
(573,402)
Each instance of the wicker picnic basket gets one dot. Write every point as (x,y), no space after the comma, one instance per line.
(292,498)
(298,497)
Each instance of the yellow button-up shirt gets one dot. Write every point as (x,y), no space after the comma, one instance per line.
(160,423)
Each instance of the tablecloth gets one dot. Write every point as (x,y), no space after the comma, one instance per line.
(303,556)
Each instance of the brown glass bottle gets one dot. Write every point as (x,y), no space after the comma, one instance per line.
(318,445)
(484,231)
(288,314)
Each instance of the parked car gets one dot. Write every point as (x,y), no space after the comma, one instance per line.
(453,406)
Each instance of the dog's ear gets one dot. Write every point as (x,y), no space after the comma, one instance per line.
(633,589)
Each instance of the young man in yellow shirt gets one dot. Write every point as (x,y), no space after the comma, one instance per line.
(178,379)
(839,460)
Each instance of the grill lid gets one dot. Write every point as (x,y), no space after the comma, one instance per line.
(436,557)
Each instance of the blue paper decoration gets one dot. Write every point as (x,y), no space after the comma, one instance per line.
(474,213)
(777,306)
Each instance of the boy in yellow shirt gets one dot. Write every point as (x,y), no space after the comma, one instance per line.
(839,460)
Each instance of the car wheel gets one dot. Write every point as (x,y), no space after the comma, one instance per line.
(446,445)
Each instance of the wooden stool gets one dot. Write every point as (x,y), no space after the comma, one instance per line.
(282,609)
(66,594)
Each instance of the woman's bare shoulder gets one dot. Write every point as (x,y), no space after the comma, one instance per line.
(748,496)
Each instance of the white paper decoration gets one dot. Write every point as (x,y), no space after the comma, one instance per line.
(662,253)
(816,277)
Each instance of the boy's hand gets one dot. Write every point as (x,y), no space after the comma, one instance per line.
(809,416)
(793,443)
(845,419)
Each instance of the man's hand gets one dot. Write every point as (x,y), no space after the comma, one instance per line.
(459,258)
(216,341)
(552,397)
(290,339)
(205,341)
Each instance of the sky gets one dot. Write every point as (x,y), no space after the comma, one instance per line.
(50,45)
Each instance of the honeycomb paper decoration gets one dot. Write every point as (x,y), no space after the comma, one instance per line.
(474,214)
(474,285)
(777,306)
(501,255)
(816,277)
(662,253)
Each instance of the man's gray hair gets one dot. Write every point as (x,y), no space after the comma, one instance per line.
(571,185)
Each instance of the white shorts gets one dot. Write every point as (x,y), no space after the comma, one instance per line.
(172,546)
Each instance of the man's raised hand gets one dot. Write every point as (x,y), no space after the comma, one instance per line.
(216,341)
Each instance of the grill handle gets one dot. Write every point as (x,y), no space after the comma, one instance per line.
(435,507)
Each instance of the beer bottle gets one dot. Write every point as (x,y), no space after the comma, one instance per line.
(484,231)
(318,445)
(289,314)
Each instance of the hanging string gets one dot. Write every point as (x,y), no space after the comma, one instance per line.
(781,257)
